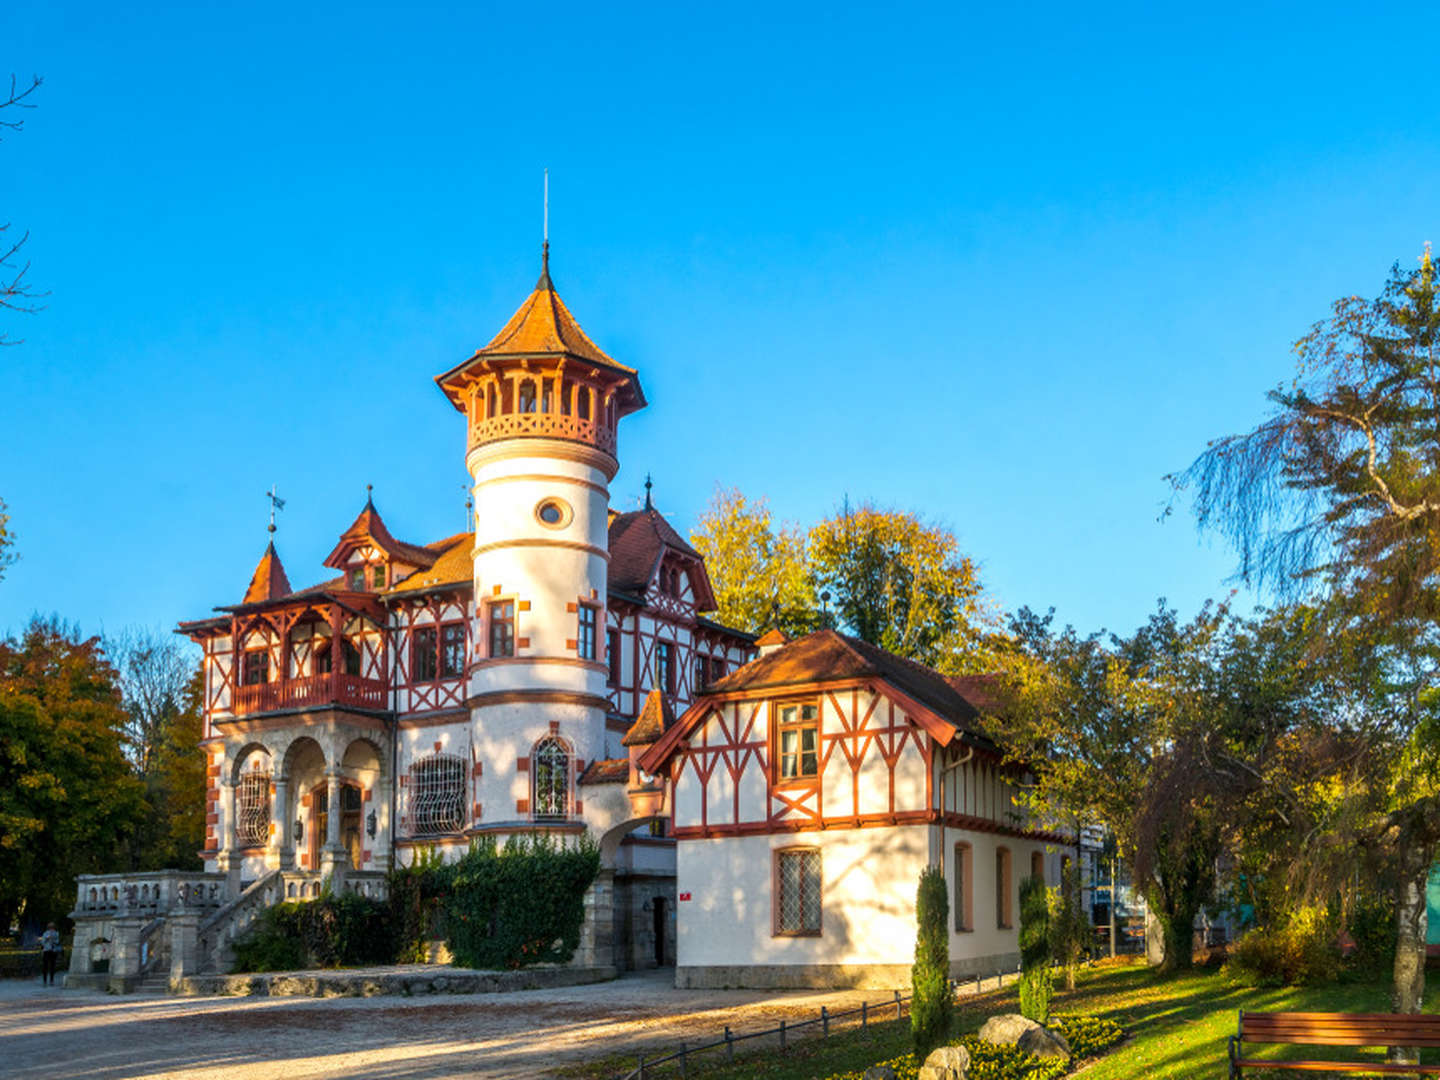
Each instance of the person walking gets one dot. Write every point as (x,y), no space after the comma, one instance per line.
(49,954)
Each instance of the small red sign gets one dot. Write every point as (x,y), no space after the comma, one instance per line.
(684,896)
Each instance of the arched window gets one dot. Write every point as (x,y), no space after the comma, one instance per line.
(1037,865)
(437,795)
(526,396)
(1004,912)
(252,809)
(550,772)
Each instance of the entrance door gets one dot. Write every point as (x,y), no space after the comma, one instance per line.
(351,801)
(661,924)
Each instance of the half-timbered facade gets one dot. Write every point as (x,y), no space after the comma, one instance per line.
(809,789)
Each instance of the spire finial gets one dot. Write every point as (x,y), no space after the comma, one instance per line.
(276,503)
(544,282)
(369,497)
(648,504)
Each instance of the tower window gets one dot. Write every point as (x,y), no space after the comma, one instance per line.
(252,810)
(437,795)
(452,650)
(550,766)
(502,627)
(582,402)
(586,639)
(553,513)
(526,396)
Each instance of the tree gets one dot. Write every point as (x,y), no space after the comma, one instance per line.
(905,586)
(68,796)
(7,541)
(154,670)
(1069,929)
(758,571)
(16,294)
(932,1010)
(1338,494)
(1036,982)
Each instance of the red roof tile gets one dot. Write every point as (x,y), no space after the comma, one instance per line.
(654,720)
(638,541)
(606,771)
(269,581)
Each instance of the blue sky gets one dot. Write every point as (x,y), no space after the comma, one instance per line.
(1006,268)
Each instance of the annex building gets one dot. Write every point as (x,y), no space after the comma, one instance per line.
(763,809)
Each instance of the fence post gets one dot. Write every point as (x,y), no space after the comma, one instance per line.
(824,1022)
(977,982)
(864,1013)
(782,1036)
(641,1073)
(684,1061)
(729,1045)
(897,1004)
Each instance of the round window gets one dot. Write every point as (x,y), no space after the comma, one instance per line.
(552,513)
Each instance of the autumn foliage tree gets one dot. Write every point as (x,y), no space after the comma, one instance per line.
(1337,495)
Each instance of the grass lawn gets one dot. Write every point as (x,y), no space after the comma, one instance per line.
(1178,1028)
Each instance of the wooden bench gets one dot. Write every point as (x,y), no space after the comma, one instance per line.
(1333,1029)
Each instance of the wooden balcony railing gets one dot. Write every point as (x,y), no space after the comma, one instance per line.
(310,691)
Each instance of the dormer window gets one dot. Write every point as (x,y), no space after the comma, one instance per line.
(257,667)
(357,578)
(377,576)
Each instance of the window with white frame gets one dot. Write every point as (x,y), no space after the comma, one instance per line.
(252,810)
(437,795)
(797,891)
(550,772)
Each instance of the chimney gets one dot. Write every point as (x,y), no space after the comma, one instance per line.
(770,641)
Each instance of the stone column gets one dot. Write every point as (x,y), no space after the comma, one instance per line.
(125,954)
(332,855)
(184,944)
(597,932)
(228,861)
(282,842)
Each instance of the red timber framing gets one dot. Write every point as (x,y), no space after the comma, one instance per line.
(434,611)
(859,720)
(643,628)
(304,670)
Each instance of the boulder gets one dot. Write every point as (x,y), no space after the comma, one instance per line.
(945,1063)
(879,1072)
(1006,1029)
(1044,1043)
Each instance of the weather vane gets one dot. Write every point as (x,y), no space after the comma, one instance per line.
(276,503)
(648,504)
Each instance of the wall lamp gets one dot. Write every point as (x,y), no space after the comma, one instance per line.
(370,825)
(299,831)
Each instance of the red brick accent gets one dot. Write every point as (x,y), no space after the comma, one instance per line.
(477,811)
(554,727)
(212,771)
(437,745)
(479,769)
(572,644)
(572,608)
(594,593)
(495,591)
(212,819)
(522,806)
(579,806)
(522,764)
(522,643)
(523,605)
(366,796)
(272,828)
(307,800)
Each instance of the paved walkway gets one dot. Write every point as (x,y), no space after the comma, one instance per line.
(56,1034)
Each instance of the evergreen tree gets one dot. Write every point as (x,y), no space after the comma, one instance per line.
(1035,980)
(932,1010)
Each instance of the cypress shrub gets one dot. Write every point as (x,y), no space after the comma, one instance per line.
(1069,929)
(1035,984)
(931,1007)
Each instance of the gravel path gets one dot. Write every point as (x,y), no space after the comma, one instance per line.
(56,1034)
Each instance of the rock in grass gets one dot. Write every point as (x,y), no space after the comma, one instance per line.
(945,1063)
(1044,1043)
(1006,1029)
(879,1072)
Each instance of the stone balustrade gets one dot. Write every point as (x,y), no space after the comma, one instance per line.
(158,892)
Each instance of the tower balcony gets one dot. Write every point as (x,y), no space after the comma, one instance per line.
(310,692)
(552,425)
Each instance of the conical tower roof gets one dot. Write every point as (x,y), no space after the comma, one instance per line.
(269,581)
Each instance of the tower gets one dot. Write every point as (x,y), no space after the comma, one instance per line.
(542,403)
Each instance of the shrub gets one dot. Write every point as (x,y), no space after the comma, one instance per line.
(1302,952)
(931,1008)
(1372,928)
(517,905)
(416,908)
(1087,1035)
(1069,929)
(332,931)
(1035,978)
